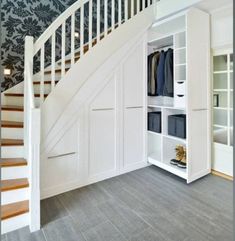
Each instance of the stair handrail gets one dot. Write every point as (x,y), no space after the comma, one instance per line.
(31,112)
(128,8)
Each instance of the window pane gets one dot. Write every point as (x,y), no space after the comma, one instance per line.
(220,117)
(231,80)
(220,63)
(231,136)
(220,99)
(231,61)
(221,135)
(231,99)
(220,81)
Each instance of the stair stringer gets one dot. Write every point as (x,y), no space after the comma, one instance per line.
(72,126)
(53,108)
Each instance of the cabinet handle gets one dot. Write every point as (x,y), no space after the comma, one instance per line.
(180,82)
(102,109)
(134,107)
(180,95)
(60,155)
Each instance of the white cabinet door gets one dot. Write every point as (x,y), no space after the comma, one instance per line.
(134,144)
(133,78)
(102,144)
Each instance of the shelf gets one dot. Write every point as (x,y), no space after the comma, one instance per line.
(221,90)
(181,48)
(220,126)
(220,108)
(167,166)
(154,133)
(175,138)
(166,107)
(184,64)
(220,72)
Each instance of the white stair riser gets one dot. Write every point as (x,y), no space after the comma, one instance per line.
(14,133)
(47,89)
(14,172)
(47,77)
(12,151)
(14,223)
(18,101)
(13,196)
(12,115)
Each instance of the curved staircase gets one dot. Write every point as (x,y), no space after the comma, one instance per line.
(22,104)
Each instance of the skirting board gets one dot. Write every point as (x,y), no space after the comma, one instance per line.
(220,174)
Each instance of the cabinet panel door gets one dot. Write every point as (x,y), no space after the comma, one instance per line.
(133,78)
(102,148)
(133,136)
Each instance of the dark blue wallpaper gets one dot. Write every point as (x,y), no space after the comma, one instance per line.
(32,17)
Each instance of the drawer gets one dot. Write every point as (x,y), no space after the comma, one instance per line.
(180,100)
(179,88)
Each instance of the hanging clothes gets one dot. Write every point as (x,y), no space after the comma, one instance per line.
(169,74)
(153,60)
(161,74)
(149,72)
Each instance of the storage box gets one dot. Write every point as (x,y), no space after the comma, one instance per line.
(177,125)
(154,121)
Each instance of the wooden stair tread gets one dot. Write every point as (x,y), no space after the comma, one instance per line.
(12,142)
(12,124)
(22,95)
(14,209)
(12,184)
(12,108)
(47,82)
(12,162)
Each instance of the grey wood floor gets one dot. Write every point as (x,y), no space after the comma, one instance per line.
(144,205)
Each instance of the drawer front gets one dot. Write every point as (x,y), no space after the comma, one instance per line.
(180,88)
(180,100)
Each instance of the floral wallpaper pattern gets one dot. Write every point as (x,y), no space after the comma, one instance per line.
(30,17)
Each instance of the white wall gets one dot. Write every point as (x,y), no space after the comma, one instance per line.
(222,27)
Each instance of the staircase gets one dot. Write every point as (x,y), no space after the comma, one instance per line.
(21,109)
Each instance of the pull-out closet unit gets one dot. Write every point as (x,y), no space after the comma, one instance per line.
(188,34)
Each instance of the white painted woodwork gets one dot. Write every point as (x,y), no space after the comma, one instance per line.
(14,223)
(102,157)
(98,20)
(17,133)
(191,72)
(134,136)
(12,196)
(72,38)
(53,39)
(14,172)
(90,23)
(12,151)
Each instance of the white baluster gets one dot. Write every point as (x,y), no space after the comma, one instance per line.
(90,23)
(113,15)
(149,2)
(53,61)
(72,37)
(138,6)
(126,9)
(105,17)
(63,51)
(132,8)
(98,21)
(82,30)
(119,12)
(42,66)
(143,5)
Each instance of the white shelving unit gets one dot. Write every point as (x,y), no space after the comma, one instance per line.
(223,111)
(188,33)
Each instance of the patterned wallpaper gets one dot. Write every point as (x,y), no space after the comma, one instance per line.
(30,17)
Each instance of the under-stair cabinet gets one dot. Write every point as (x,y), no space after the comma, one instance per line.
(188,35)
